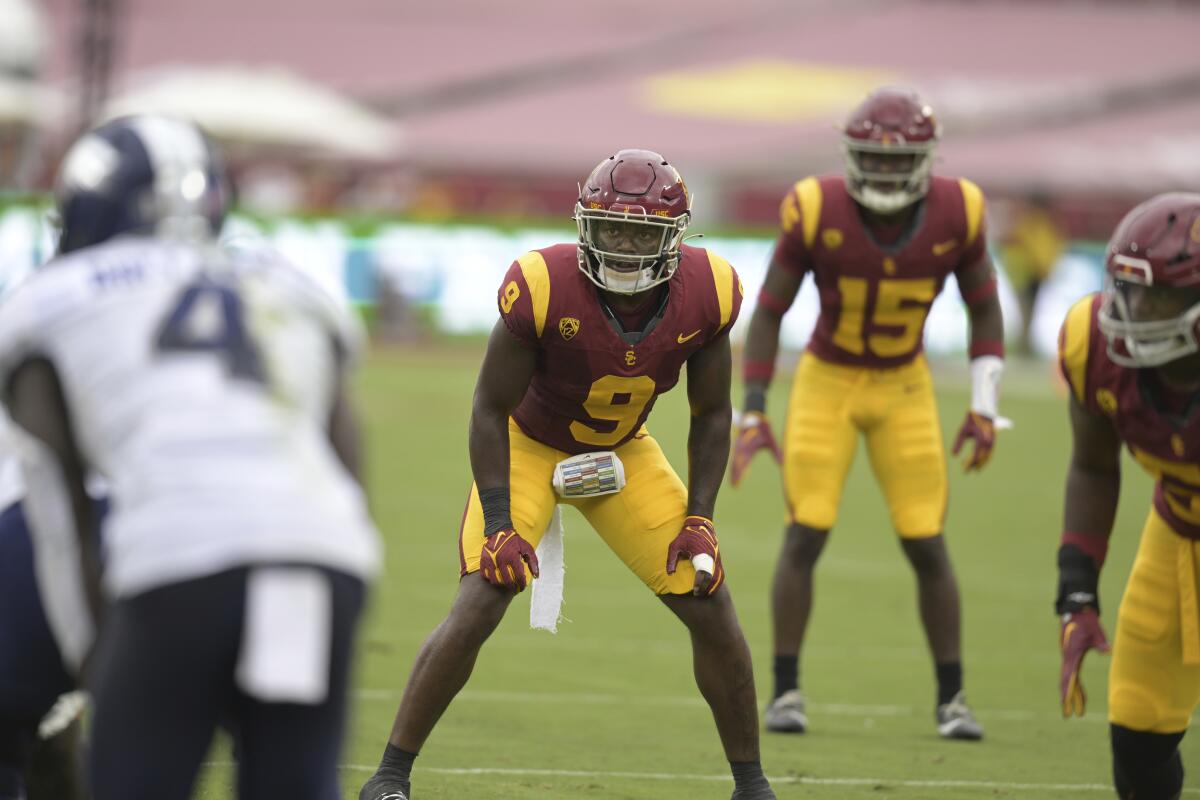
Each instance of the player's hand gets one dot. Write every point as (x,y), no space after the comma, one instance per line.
(698,541)
(503,560)
(980,429)
(753,434)
(1081,632)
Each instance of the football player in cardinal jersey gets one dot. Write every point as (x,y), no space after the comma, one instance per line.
(590,334)
(1131,356)
(207,389)
(880,242)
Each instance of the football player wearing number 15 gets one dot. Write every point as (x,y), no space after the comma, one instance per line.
(880,242)
(590,333)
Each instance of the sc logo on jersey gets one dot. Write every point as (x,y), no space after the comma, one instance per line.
(1107,401)
(568,327)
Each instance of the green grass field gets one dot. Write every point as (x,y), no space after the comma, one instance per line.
(607,707)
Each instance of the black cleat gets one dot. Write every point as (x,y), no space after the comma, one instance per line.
(758,792)
(378,787)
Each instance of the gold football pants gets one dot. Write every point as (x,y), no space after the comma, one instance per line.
(1154,681)
(637,523)
(895,410)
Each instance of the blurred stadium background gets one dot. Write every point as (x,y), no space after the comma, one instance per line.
(407,152)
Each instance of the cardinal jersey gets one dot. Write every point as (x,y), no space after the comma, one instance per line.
(1154,681)
(200,388)
(874,297)
(591,389)
(1167,447)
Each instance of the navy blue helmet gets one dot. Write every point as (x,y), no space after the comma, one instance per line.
(141,174)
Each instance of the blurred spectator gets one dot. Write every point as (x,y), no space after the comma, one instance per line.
(1029,249)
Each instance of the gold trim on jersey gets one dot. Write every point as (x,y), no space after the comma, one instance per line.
(537,277)
(1073,348)
(973,202)
(1189,613)
(809,192)
(723,279)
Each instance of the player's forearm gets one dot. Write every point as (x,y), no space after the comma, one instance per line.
(762,347)
(87,527)
(708,446)
(1091,500)
(1090,509)
(987,327)
(488,444)
(345,436)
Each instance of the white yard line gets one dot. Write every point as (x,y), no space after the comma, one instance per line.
(680,701)
(777,780)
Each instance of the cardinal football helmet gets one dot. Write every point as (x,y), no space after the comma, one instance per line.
(140,174)
(888,144)
(632,213)
(1150,313)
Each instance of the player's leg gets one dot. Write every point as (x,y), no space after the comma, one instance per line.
(448,656)
(639,524)
(32,675)
(1154,681)
(56,769)
(819,443)
(725,676)
(1146,766)
(908,458)
(291,749)
(163,673)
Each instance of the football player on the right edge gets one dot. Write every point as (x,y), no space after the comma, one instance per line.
(880,242)
(1131,356)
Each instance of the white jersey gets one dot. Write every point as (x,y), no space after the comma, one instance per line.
(199,386)
(12,486)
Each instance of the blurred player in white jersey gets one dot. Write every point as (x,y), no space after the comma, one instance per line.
(208,390)
(44,629)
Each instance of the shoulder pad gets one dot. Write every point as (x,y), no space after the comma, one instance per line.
(973,205)
(802,204)
(1074,344)
(728,287)
(537,278)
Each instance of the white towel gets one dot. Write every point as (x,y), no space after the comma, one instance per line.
(545,608)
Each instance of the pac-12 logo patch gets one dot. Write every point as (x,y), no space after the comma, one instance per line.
(1107,401)
(832,238)
(568,327)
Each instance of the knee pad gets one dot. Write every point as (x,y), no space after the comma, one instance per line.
(1146,766)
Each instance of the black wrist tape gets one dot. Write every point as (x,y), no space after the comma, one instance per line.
(1078,581)
(756,401)
(497,514)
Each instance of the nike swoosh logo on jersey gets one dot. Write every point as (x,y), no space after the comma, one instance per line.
(941,248)
(681,338)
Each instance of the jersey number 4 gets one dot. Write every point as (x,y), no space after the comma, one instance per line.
(208,319)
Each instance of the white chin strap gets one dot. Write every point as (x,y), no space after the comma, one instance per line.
(622,282)
(885,202)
